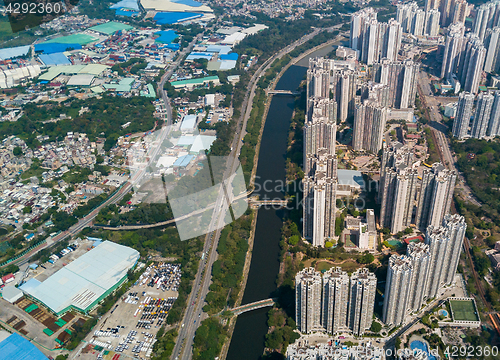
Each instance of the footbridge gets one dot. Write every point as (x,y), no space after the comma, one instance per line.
(255,204)
(252,306)
(283,92)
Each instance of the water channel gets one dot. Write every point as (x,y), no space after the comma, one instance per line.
(249,334)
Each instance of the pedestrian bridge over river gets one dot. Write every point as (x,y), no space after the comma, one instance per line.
(252,306)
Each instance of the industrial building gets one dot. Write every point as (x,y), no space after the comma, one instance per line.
(82,284)
(15,347)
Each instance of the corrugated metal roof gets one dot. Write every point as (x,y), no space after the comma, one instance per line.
(86,279)
(15,347)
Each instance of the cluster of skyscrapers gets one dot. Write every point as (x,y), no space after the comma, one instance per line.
(408,197)
(416,21)
(480,122)
(320,128)
(466,56)
(334,302)
(392,82)
(417,276)
(374,40)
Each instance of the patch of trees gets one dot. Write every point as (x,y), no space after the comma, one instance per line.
(479,160)
(227,270)
(283,330)
(163,347)
(83,210)
(104,119)
(143,214)
(209,339)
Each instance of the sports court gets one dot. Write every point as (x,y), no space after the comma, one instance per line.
(463,310)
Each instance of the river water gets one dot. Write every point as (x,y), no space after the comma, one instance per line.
(249,334)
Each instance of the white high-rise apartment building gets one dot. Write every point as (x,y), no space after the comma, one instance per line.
(444,185)
(374,40)
(397,289)
(471,69)
(357,21)
(445,245)
(320,197)
(464,113)
(436,194)
(320,163)
(335,300)
(361,301)
(431,25)
(404,195)
(453,11)
(494,123)
(420,258)
(369,126)
(401,77)
(308,300)
(452,50)
(334,303)
(418,276)
(431,5)
(487,17)
(492,43)
(482,115)
(411,18)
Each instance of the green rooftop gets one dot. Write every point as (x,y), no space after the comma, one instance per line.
(82,39)
(111,27)
(151,92)
(194,81)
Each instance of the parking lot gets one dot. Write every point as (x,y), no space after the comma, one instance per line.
(130,327)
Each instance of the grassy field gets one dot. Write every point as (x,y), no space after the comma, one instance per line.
(463,310)
(350,266)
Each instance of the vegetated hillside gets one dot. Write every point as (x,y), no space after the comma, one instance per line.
(104,118)
(479,160)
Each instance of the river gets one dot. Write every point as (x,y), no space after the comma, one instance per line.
(249,333)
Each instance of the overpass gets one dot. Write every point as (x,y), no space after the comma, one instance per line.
(252,306)
(282,92)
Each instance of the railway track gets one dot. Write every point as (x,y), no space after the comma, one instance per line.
(493,315)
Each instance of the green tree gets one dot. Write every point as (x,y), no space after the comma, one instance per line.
(376,327)
(17,151)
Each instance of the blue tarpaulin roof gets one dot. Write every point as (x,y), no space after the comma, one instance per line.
(183,161)
(173,46)
(13,52)
(166,36)
(126,4)
(15,347)
(231,56)
(54,59)
(188,2)
(163,18)
(55,47)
